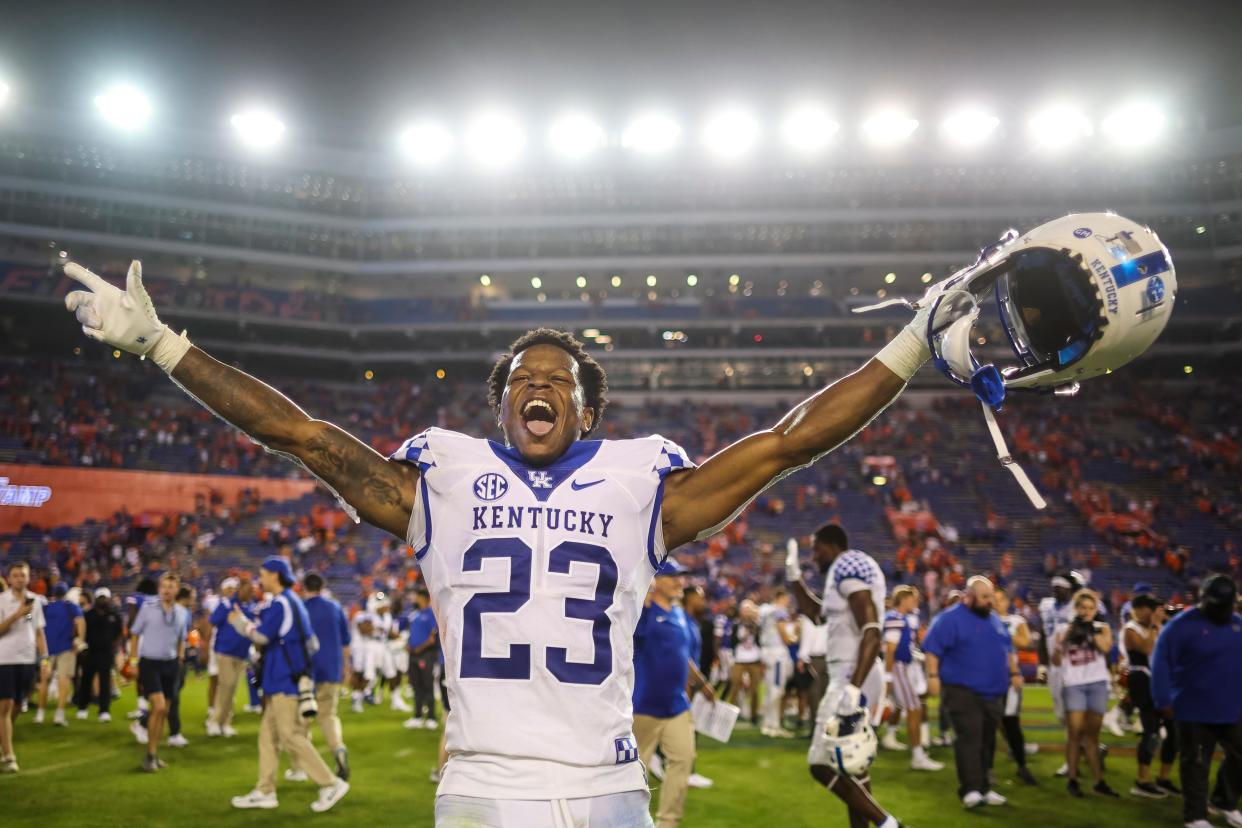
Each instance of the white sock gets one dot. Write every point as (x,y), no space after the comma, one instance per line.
(889,822)
(142,703)
(925,733)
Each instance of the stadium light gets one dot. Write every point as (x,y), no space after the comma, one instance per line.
(1136,124)
(651,133)
(616,281)
(692,280)
(581,281)
(485,280)
(808,129)
(731,133)
(889,127)
(124,107)
(1059,126)
(258,128)
(969,127)
(494,139)
(426,143)
(576,135)
(536,282)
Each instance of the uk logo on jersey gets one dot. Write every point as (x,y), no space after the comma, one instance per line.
(490,486)
(539,479)
(627,751)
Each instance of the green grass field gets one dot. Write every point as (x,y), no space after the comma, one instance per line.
(88,774)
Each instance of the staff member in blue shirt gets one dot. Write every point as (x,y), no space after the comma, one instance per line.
(423,643)
(284,635)
(970,653)
(663,666)
(231,653)
(1194,680)
(157,641)
(65,627)
(331,627)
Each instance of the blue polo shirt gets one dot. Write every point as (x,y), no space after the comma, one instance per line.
(973,651)
(282,657)
(160,630)
(1195,668)
(331,627)
(422,623)
(229,641)
(661,662)
(696,639)
(58,618)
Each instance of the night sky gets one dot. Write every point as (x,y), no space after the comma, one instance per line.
(348,73)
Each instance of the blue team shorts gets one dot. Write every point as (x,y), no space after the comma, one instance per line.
(1088,698)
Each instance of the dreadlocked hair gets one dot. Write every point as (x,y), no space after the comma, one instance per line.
(590,373)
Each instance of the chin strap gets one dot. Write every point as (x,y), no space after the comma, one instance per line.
(1006,459)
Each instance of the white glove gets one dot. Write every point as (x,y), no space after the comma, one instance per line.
(848,701)
(124,319)
(793,570)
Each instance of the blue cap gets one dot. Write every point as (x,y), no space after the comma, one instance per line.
(1141,587)
(60,589)
(670,567)
(280,566)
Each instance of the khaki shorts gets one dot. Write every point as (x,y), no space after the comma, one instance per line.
(64,664)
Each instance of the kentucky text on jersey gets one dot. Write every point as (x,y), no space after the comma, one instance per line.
(541,517)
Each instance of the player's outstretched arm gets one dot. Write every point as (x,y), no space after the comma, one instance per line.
(700,499)
(381,491)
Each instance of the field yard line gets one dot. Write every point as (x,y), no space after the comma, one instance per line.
(73,763)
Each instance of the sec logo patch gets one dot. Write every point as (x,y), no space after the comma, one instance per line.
(490,486)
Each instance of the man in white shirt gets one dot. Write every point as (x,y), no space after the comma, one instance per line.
(22,643)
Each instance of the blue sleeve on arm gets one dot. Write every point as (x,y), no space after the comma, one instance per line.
(220,614)
(1162,667)
(343,623)
(76,611)
(271,619)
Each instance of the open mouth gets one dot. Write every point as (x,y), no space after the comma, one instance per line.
(539,417)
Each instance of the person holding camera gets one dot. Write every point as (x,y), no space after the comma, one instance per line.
(21,642)
(1081,652)
(285,637)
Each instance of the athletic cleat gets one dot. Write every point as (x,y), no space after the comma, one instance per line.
(213,729)
(38,719)
(150,764)
(972,800)
(889,742)
(295,775)
(1233,818)
(1032,748)
(254,799)
(1168,786)
(357,705)
(398,704)
(1112,722)
(413,723)
(1062,771)
(431,724)
(82,715)
(58,720)
(228,731)
(104,718)
(178,741)
(993,798)
(1102,788)
(1147,790)
(329,795)
(140,732)
(925,763)
(9,765)
(698,780)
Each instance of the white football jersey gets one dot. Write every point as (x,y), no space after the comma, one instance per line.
(537,578)
(770,617)
(850,572)
(1053,617)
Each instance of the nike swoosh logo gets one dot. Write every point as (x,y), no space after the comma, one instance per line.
(577,487)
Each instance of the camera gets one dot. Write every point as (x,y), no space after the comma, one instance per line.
(307,706)
(1080,632)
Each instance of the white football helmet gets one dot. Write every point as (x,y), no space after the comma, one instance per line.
(847,744)
(377,602)
(1077,297)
